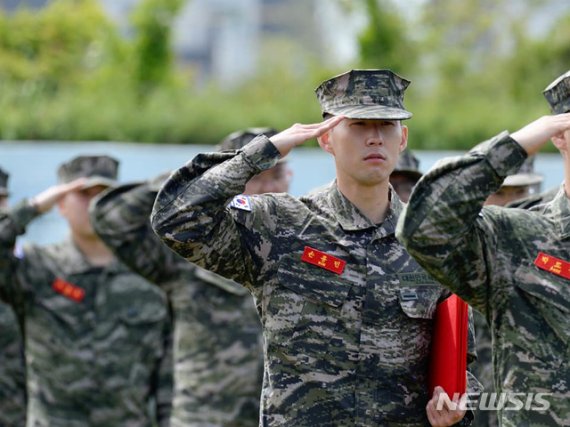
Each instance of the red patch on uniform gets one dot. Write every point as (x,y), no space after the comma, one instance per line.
(553,265)
(68,290)
(323,260)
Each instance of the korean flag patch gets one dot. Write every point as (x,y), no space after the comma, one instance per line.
(241,202)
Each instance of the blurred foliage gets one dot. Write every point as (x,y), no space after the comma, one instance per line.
(479,74)
(385,42)
(153,55)
(66,73)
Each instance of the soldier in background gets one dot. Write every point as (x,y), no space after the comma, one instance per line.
(405,175)
(273,180)
(346,313)
(510,264)
(517,186)
(12,371)
(218,356)
(97,336)
(535,199)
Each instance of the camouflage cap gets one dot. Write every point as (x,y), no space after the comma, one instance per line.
(525,176)
(100,170)
(3,183)
(558,94)
(240,138)
(408,164)
(364,94)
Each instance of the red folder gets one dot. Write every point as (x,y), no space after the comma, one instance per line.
(448,359)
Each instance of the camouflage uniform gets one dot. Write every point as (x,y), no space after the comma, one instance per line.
(345,344)
(482,368)
(495,259)
(487,256)
(97,348)
(218,345)
(12,372)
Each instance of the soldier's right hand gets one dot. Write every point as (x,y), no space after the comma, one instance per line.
(45,200)
(286,140)
(534,135)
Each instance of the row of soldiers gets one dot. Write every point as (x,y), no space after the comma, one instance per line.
(208,391)
(346,313)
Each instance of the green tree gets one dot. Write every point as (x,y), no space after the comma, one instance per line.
(385,42)
(153,54)
(56,45)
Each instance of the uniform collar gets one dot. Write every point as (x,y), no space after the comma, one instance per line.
(73,261)
(350,218)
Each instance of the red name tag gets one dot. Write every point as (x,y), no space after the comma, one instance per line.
(553,265)
(323,260)
(68,290)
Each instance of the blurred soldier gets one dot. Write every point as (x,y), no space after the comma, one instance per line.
(273,180)
(346,313)
(12,372)
(405,175)
(512,265)
(535,199)
(517,186)
(218,344)
(96,338)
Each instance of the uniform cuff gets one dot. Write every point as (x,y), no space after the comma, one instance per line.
(23,213)
(260,153)
(504,154)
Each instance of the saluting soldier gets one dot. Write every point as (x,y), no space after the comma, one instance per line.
(346,312)
(97,336)
(512,265)
(218,344)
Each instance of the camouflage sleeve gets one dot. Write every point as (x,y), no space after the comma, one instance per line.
(13,223)
(121,217)
(444,225)
(191,211)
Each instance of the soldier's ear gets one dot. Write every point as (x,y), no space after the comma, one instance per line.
(325,142)
(404,140)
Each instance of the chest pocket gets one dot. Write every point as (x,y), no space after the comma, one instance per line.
(419,301)
(549,296)
(413,295)
(307,303)
(418,294)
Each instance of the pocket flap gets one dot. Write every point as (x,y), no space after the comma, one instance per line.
(544,286)
(420,302)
